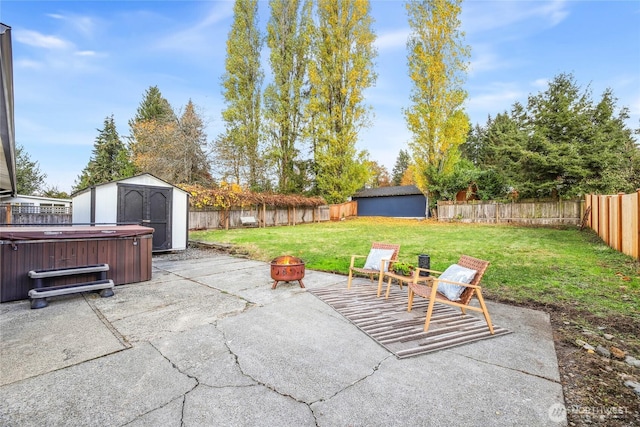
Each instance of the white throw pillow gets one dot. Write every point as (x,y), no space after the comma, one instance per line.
(455,273)
(377,255)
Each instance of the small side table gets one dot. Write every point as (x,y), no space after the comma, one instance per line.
(401,279)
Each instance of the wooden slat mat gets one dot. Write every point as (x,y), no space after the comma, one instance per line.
(402,333)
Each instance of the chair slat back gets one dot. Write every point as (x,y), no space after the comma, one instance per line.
(475,264)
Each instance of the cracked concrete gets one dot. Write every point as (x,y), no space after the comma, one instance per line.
(208,342)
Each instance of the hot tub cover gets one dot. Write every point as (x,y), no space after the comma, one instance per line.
(13,234)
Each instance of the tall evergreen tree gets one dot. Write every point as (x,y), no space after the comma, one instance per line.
(339,73)
(109,160)
(561,144)
(612,155)
(504,140)
(401,166)
(438,60)
(556,126)
(154,106)
(242,83)
(153,131)
(288,38)
(192,164)
(29,178)
(471,148)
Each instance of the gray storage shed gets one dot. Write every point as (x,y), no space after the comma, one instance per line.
(142,199)
(405,201)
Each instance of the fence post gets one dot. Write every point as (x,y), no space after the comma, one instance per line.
(560,210)
(606,225)
(588,205)
(619,219)
(595,212)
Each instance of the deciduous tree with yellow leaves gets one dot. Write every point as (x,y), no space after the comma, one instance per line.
(241,89)
(438,61)
(288,38)
(339,73)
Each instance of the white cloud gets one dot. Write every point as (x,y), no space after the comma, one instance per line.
(54,53)
(85,53)
(392,39)
(493,99)
(555,12)
(197,37)
(83,24)
(484,58)
(484,16)
(540,83)
(36,39)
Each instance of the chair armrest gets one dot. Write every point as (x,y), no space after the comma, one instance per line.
(466,285)
(353,259)
(384,261)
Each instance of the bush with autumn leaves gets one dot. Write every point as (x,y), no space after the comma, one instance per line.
(227,196)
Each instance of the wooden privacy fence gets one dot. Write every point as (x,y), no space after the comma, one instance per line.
(563,212)
(265,216)
(343,210)
(615,218)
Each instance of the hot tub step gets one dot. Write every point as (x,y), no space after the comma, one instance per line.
(38,296)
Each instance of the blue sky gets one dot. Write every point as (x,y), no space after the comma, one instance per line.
(77,62)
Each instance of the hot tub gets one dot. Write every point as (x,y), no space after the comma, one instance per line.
(126,248)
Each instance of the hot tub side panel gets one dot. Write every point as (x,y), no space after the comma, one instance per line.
(129,261)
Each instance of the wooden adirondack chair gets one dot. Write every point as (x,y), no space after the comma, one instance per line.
(429,289)
(374,263)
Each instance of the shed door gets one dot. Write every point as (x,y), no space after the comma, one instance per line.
(148,206)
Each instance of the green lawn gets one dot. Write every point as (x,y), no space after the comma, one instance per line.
(559,266)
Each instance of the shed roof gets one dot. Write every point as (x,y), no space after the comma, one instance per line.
(399,190)
(130,179)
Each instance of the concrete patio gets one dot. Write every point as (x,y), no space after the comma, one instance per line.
(207,342)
